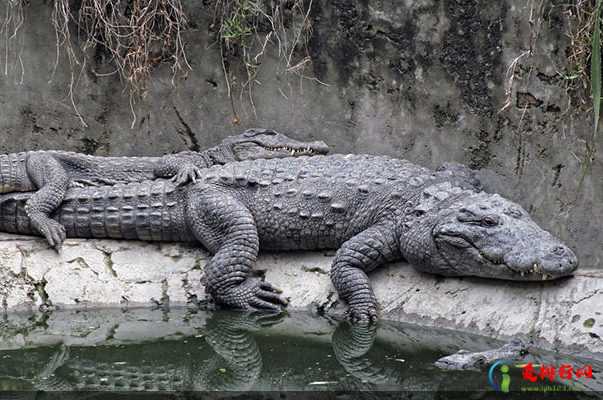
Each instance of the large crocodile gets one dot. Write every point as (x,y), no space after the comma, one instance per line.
(53,171)
(373,209)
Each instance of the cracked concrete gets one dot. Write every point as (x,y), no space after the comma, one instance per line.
(563,315)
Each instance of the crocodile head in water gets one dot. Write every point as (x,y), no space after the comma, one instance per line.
(266,143)
(481,234)
(464,359)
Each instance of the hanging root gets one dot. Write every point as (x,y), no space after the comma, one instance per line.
(136,35)
(285,25)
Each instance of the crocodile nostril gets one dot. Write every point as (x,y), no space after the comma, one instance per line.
(558,250)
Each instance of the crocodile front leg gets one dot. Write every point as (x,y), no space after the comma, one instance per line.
(360,254)
(226,227)
(182,167)
(52,180)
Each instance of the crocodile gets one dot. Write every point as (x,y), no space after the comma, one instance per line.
(373,209)
(466,360)
(51,172)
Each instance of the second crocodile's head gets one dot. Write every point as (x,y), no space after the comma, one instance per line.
(266,143)
(481,234)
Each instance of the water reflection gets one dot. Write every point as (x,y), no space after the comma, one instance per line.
(234,362)
(351,345)
(184,350)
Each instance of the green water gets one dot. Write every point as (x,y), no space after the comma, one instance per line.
(188,350)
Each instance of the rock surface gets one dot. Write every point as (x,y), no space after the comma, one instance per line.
(563,314)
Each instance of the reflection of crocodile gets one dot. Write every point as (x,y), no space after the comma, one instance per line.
(197,351)
(464,359)
(374,209)
(53,171)
(235,365)
(239,364)
(351,344)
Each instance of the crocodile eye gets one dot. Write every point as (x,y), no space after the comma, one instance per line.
(466,215)
(254,132)
(489,220)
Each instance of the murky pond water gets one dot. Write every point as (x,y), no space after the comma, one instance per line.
(188,350)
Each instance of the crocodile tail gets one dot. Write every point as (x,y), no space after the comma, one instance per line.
(13,218)
(13,173)
(149,210)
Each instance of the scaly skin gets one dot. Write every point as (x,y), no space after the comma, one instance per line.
(53,172)
(372,209)
(464,359)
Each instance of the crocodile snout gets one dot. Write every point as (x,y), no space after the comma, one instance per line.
(555,260)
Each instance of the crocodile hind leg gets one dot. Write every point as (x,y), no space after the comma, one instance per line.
(462,172)
(359,255)
(226,228)
(52,180)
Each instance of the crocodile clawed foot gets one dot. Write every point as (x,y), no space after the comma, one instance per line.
(253,294)
(187,173)
(53,232)
(267,296)
(362,315)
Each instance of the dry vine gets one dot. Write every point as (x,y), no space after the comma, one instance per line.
(136,35)
(535,21)
(10,28)
(286,26)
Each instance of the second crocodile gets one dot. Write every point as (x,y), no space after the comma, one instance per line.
(51,172)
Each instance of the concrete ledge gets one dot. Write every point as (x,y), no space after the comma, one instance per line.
(561,315)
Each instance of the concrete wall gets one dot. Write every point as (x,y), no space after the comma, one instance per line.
(422,80)
(564,315)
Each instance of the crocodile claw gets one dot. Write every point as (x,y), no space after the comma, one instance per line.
(270,286)
(252,294)
(186,173)
(54,232)
(362,315)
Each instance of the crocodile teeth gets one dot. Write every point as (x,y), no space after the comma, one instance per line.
(292,152)
(544,277)
(522,273)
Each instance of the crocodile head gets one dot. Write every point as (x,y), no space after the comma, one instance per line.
(266,143)
(486,235)
(466,360)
